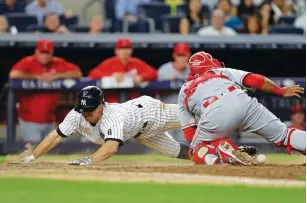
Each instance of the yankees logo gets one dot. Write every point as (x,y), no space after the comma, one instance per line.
(83,102)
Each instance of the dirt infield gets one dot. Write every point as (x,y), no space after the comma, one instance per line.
(154,171)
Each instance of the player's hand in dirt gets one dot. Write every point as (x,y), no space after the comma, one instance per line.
(82,162)
(293,90)
(24,157)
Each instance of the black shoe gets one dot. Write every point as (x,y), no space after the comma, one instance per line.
(250,150)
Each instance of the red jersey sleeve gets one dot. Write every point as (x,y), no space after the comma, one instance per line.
(146,71)
(189,133)
(22,65)
(69,66)
(102,70)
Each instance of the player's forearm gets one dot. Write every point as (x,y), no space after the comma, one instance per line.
(47,144)
(262,83)
(270,87)
(104,152)
(70,74)
(22,75)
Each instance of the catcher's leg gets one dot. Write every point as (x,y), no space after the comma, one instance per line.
(222,151)
(261,121)
(164,143)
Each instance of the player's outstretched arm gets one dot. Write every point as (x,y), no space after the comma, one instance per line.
(103,153)
(262,83)
(47,144)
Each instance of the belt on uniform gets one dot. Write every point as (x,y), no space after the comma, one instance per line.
(214,98)
(139,133)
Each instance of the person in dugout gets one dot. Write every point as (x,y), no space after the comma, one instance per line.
(298,117)
(37,109)
(123,64)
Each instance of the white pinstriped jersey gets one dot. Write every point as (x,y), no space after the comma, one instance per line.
(124,121)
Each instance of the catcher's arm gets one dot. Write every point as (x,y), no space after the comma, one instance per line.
(262,83)
(47,144)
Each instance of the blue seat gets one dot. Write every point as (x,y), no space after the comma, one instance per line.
(170,24)
(141,26)
(181,9)
(283,29)
(155,11)
(74,20)
(34,28)
(195,28)
(78,28)
(21,20)
(287,20)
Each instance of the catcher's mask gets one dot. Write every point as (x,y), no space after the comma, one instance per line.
(201,62)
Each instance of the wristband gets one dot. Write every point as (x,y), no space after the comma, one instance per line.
(278,90)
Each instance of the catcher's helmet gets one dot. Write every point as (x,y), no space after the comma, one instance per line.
(89,99)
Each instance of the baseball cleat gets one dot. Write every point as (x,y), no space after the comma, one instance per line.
(250,150)
(229,155)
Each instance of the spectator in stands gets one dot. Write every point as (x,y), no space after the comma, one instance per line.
(245,8)
(173,4)
(41,8)
(52,24)
(298,117)
(230,20)
(128,9)
(4,27)
(252,25)
(37,110)
(281,8)
(11,6)
(217,25)
(266,16)
(122,65)
(96,25)
(176,69)
(194,17)
(300,22)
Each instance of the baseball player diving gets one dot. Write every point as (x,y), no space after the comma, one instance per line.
(111,124)
(213,104)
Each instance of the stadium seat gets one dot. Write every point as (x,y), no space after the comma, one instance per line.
(74,20)
(21,20)
(155,11)
(170,24)
(181,9)
(34,28)
(195,28)
(282,29)
(141,26)
(78,28)
(287,20)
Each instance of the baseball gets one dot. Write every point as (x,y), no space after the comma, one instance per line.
(261,158)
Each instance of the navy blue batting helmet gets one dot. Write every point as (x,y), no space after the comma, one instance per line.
(90,98)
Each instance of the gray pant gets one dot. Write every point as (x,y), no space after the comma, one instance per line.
(35,132)
(236,111)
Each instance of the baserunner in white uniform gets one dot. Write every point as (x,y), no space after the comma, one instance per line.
(111,124)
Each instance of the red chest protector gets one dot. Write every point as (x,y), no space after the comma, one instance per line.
(189,91)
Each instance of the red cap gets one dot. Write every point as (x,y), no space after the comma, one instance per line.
(123,43)
(297,108)
(181,49)
(45,45)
